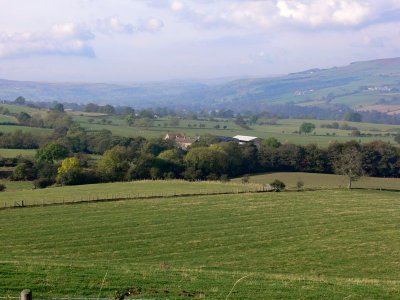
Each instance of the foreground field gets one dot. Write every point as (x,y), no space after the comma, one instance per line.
(134,189)
(318,181)
(313,245)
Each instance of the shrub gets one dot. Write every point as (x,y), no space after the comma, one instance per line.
(246,178)
(278,185)
(2,187)
(42,183)
(299,184)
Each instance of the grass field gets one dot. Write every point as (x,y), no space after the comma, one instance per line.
(308,245)
(318,181)
(283,130)
(8,119)
(13,186)
(134,189)
(12,128)
(8,153)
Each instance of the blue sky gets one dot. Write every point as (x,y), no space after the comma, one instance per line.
(139,40)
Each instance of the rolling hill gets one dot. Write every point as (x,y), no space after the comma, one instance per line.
(357,85)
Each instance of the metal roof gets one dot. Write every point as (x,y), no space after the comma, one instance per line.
(245,138)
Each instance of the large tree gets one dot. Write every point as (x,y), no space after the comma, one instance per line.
(349,163)
(306,127)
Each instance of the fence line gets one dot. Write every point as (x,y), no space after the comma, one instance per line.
(120,197)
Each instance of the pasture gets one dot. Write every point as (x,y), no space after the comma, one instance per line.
(13,128)
(308,245)
(284,130)
(323,181)
(118,190)
(9,153)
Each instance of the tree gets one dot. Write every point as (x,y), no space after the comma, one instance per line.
(397,138)
(20,100)
(272,142)
(51,152)
(278,185)
(306,127)
(114,164)
(70,172)
(349,163)
(353,117)
(24,171)
(59,107)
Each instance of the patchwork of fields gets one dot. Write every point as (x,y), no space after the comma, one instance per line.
(315,245)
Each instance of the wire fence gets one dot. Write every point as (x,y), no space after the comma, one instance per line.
(130,196)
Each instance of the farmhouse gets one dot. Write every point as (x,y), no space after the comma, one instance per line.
(244,139)
(180,139)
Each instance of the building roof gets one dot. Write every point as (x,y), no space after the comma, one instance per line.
(245,138)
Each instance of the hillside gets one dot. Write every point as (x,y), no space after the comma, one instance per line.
(360,83)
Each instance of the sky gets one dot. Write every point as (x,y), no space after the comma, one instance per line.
(157,40)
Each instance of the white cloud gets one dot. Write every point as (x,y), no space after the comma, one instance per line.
(69,38)
(151,25)
(114,25)
(270,13)
(177,6)
(62,39)
(323,12)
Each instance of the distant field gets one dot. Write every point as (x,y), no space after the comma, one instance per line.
(317,181)
(8,119)
(284,130)
(308,245)
(134,189)
(12,128)
(8,153)
(17,109)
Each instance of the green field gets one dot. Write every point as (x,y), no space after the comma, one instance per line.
(12,128)
(13,186)
(307,245)
(9,153)
(321,181)
(16,109)
(284,130)
(134,189)
(8,119)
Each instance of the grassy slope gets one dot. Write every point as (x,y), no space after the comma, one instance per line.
(313,245)
(134,189)
(312,181)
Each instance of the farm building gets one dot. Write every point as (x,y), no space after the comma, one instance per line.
(244,139)
(181,140)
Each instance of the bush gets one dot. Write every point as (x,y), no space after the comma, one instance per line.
(246,178)
(299,184)
(278,185)
(42,183)
(2,187)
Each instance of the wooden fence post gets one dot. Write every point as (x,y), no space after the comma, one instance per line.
(26,294)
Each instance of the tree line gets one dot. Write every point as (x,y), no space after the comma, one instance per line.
(138,158)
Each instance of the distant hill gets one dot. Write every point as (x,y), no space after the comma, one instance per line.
(355,85)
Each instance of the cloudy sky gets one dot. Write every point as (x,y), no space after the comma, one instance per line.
(151,40)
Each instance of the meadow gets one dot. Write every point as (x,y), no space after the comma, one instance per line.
(323,181)
(9,153)
(117,190)
(301,245)
(284,130)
